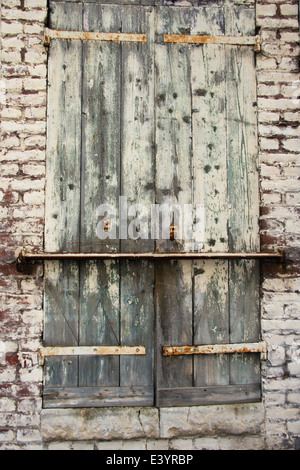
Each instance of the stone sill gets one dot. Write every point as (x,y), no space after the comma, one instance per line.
(104,424)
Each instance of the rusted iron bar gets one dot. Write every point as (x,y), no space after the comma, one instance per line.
(218,349)
(90,351)
(92,36)
(27,257)
(229,40)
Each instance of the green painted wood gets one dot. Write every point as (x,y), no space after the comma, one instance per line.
(243,193)
(137,176)
(100,184)
(211,299)
(61,303)
(174,301)
(157,123)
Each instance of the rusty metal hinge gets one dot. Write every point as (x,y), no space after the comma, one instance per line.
(226,40)
(260,347)
(90,351)
(92,36)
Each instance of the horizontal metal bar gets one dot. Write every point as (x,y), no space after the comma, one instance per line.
(227,40)
(93,36)
(217,349)
(90,351)
(25,257)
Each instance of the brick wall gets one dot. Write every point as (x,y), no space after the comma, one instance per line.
(279,131)
(22,160)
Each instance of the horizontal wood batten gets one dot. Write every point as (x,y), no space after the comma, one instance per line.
(86,397)
(210,395)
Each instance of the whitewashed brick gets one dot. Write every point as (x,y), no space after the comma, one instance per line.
(277,23)
(11,113)
(265,10)
(34,28)
(281,104)
(7,404)
(36,113)
(268,116)
(35,57)
(269,144)
(11,28)
(11,57)
(28,435)
(35,84)
(27,15)
(34,197)
(36,4)
(289,10)
(292,144)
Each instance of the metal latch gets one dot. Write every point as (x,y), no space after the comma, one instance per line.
(107,225)
(173,232)
(89,351)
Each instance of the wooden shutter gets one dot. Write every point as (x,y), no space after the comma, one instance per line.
(207,142)
(158,123)
(100,143)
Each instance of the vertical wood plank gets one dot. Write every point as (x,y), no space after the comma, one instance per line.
(243,192)
(137,175)
(211,316)
(174,301)
(100,182)
(63,194)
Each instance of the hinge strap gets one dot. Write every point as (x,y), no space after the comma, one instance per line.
(92,36)
(218,349)
(90,351)
(227,40)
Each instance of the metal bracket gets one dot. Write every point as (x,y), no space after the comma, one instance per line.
(25,257)
(92,36)
(218,349)
(90,351)
(226,40)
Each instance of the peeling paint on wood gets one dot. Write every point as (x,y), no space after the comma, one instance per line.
(158,123)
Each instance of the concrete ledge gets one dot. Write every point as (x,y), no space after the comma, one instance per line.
(104,424)
(99,424)
(212,420)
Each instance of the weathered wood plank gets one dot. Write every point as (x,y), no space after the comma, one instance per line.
(210,395)
(99,281)
(99,321)
(211,308)
(243,192)
(137,176)
(174,303)
(62,211)
(62,217)
(86,397)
